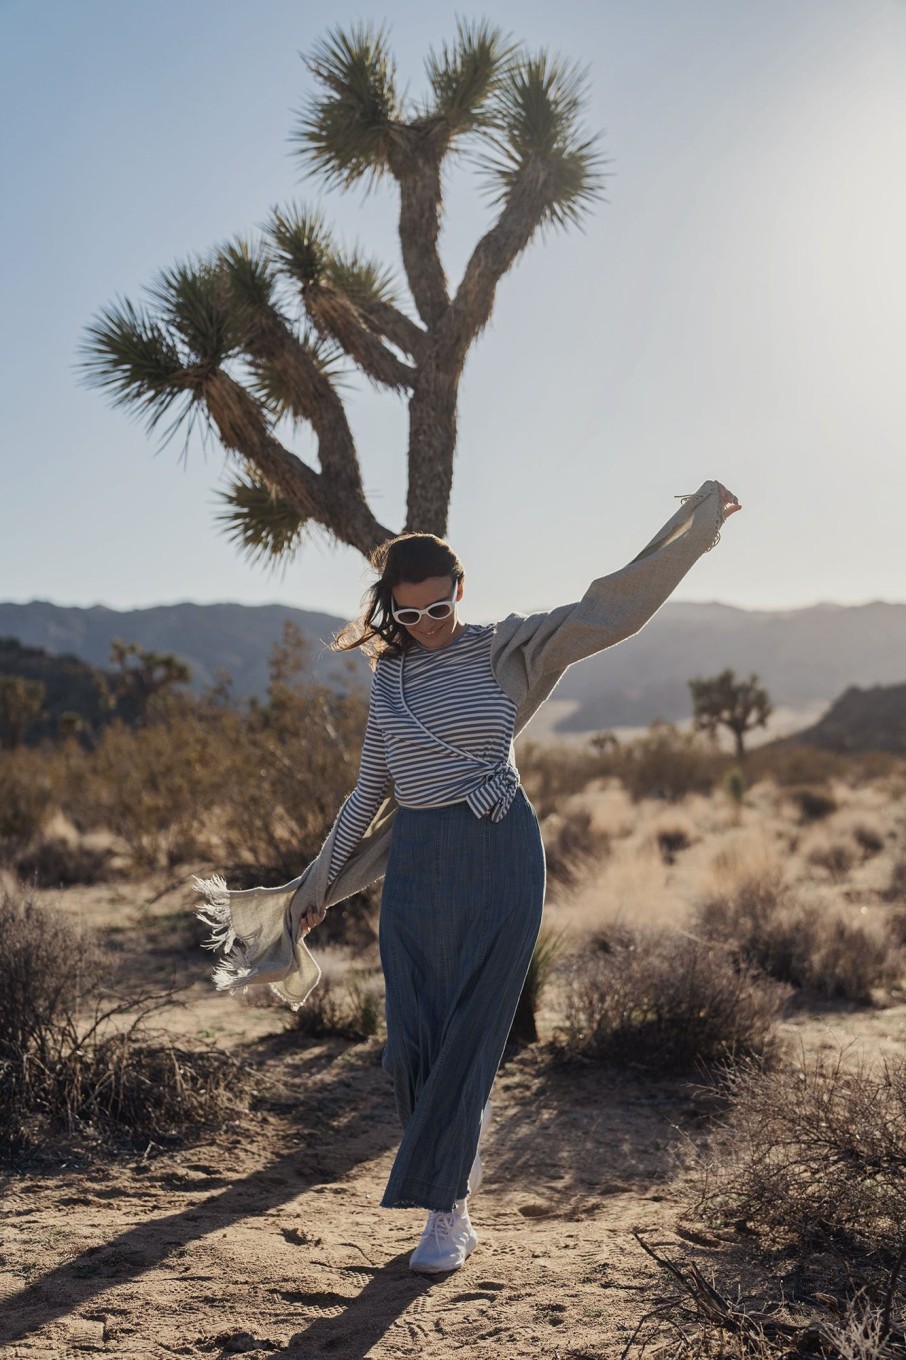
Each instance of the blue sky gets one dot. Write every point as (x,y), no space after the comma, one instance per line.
(735,309)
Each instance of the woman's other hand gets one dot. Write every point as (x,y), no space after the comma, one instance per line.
(728,502)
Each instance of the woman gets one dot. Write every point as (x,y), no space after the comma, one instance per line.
(457,842)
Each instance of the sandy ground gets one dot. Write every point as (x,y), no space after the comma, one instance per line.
(274,1237)
(268,1236)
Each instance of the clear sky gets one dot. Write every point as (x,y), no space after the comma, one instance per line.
(735,309)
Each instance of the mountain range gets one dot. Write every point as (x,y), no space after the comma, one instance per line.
(804,657)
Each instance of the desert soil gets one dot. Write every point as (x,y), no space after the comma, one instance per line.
(267,1236)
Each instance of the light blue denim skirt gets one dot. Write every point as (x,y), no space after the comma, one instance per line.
(460,913)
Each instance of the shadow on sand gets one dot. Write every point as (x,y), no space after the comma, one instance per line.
(351,1120)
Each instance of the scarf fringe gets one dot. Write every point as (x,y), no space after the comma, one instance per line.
(231,971)
(215,912)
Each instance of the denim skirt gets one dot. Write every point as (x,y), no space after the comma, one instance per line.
(460,913)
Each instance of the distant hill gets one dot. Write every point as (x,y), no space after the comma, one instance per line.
(211,638)
(860,720)
(805,657)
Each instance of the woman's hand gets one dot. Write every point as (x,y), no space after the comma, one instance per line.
(312,918)
(728,502)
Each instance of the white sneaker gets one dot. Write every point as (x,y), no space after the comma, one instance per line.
(447,1240)
(476,1175)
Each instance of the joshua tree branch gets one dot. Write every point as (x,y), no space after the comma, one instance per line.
(415,159)
(494,254)
(326,498)
(335,315)
(385,319)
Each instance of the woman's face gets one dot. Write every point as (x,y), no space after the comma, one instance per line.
(431,633)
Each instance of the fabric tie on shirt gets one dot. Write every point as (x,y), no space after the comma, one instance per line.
(495,794)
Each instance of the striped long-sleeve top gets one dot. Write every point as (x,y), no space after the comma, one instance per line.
(440,729)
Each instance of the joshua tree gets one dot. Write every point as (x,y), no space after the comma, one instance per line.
(134,686)
(723,701)
(21,701)
(217,337)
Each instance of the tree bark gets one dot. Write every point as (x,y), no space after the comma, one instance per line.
(432,445)
(415,161)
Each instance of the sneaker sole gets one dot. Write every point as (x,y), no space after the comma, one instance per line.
(444,1270)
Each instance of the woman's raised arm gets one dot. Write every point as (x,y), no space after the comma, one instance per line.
(614,607)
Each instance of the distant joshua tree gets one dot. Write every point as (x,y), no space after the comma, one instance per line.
(220,337)
(21,701)
(133,686)
(723,701)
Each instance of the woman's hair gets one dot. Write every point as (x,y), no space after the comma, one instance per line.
(409,557)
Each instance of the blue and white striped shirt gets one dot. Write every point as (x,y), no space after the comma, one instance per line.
(440,729)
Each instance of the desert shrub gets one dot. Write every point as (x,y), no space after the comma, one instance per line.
(26,799)
(347,1002)
(548,950)
(670,840)
(837,857)
(571,843)
(50,968)
(814,803)
(701,1323)
(664,763)
(813,1155)
(152,785)
(150,1087)
(56,862)
(545,955)
(666,1002)
(763,926)
(290,768)
(64,1072)
(735,784)
(869,841)
(896,887)
(551,773)
(668,764)
(789,763)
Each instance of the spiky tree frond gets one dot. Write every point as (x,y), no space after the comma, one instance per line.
(131,356)
(345,133)
(463,75)
(250,273)
(193,301)
(300,244)
(264,526)
(275,383)
(364,281)
(538,140)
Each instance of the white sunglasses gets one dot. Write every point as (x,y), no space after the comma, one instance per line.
(410,617)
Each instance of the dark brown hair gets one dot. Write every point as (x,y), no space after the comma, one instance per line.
(409,557)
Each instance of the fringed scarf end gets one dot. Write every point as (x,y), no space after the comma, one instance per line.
(215,912)
(231,972)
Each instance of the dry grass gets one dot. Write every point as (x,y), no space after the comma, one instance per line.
(572,842)
(77,1063)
